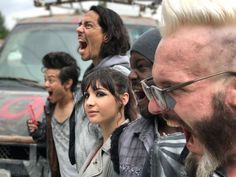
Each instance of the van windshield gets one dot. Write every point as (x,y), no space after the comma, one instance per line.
(27,45)
(22,53)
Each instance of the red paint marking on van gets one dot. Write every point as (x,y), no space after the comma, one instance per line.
(7,111)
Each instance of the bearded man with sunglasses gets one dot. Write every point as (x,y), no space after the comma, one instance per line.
(195,85)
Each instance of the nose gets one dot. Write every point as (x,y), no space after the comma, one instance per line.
(89,101)
(46,84)
(153,107)
(80,29)
(132,75)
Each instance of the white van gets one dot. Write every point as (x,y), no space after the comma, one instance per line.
(21,84)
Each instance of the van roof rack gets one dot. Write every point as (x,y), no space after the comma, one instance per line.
(143,4)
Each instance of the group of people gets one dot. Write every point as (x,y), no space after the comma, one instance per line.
(167,111)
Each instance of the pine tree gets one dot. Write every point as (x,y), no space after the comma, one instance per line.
(3,30)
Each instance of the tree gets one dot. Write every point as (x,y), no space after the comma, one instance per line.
(3,30)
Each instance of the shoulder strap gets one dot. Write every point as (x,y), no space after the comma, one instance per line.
(72,137)
(114,147)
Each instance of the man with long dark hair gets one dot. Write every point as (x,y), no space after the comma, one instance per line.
(104,40)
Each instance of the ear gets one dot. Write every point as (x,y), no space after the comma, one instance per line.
(68,84)
(230,94)
(125,98)
(106,38)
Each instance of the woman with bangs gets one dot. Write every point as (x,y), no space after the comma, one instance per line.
(108,102)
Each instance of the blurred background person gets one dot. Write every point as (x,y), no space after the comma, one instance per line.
(61,75)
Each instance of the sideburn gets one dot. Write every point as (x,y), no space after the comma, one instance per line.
(218,131)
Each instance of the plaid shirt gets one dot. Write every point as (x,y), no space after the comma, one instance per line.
(134,144)
(137,140)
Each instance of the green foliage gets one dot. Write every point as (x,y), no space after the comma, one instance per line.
(3,30)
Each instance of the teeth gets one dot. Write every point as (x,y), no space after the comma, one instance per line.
(172,123)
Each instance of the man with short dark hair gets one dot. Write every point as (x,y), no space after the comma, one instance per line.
(60,80)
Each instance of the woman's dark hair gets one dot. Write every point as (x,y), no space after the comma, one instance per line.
(112,26)
(66,64)
(116,83)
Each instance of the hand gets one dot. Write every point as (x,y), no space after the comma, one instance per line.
(32,126)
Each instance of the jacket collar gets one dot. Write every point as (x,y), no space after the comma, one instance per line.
(109,62)
(94,164)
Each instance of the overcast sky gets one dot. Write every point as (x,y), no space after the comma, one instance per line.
(14,8)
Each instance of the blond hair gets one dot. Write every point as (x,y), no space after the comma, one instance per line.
(176,13)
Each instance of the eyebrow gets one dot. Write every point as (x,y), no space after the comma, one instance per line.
(100,88)
(84,21)
(97,87)
(165,83)
(50,76)
(88,21)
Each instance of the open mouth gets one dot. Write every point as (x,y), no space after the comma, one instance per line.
(190,141)
(49,94)
(82,45)
(172,123)
(187,134)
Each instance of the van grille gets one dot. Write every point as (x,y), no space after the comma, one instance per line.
(14,151)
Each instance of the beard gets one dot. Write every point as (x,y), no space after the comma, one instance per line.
(143,110)
(217,132)
(191,164)
(200,166)
(206,165)
(145,113)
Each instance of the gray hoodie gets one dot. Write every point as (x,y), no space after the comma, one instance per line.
(121,63)
(85,135)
